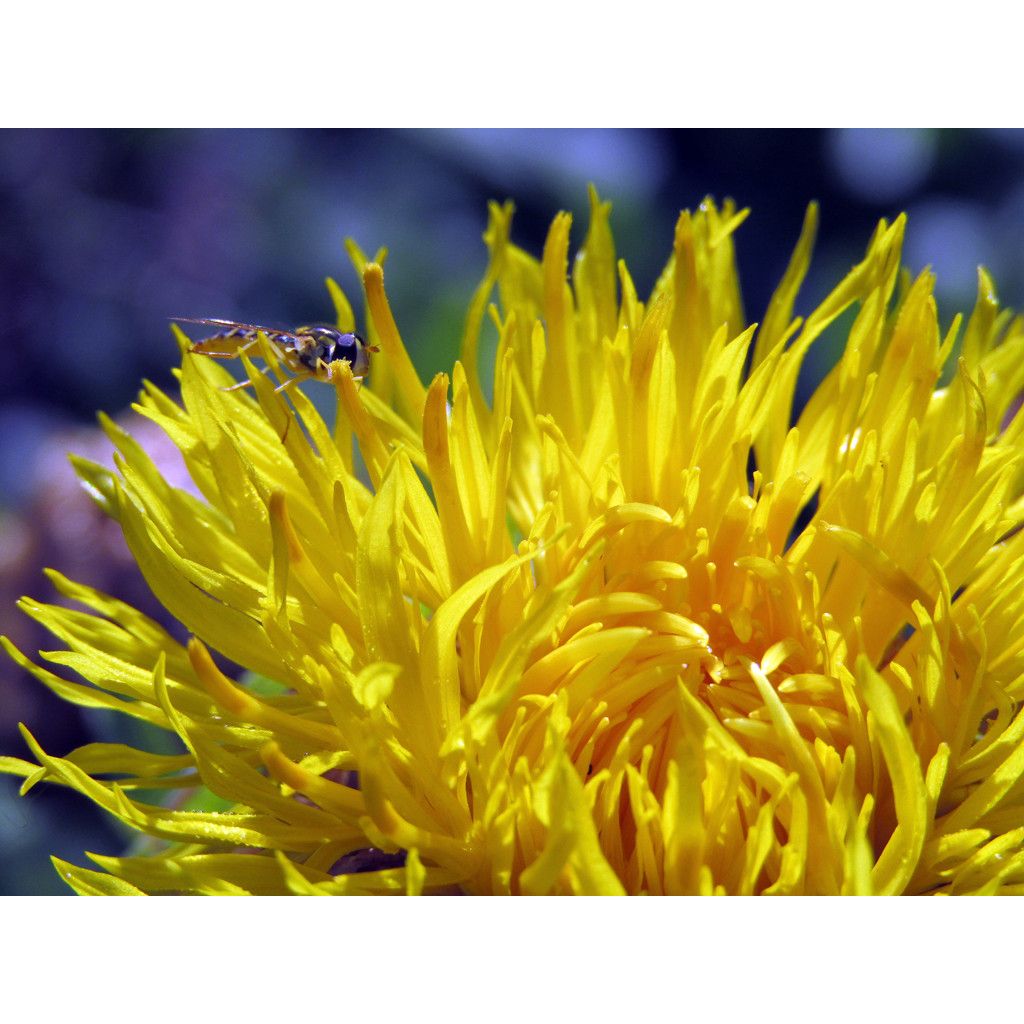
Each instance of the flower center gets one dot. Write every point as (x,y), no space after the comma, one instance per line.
(679,606)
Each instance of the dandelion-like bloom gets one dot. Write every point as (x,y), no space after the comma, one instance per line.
(610,623)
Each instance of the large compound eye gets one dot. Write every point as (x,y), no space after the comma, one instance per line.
(347,348)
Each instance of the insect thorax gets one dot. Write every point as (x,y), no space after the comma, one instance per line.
(326,344)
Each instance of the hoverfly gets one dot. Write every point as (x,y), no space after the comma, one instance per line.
(312,350)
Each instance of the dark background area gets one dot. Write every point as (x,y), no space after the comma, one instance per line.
(106,234)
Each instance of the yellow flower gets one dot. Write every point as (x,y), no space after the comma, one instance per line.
(621,620)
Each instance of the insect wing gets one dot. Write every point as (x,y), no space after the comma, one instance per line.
(233,336)
(212,321)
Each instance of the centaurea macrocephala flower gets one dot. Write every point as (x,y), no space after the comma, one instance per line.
(620,621)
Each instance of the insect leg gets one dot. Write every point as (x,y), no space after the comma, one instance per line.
(235,387)
(251,343)
(212,355)
(288,383)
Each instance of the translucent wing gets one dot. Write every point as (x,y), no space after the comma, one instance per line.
(213,321)
(232,336)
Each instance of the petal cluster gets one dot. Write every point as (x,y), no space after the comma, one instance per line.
(618,618)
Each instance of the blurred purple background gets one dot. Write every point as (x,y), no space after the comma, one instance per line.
(106,234)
